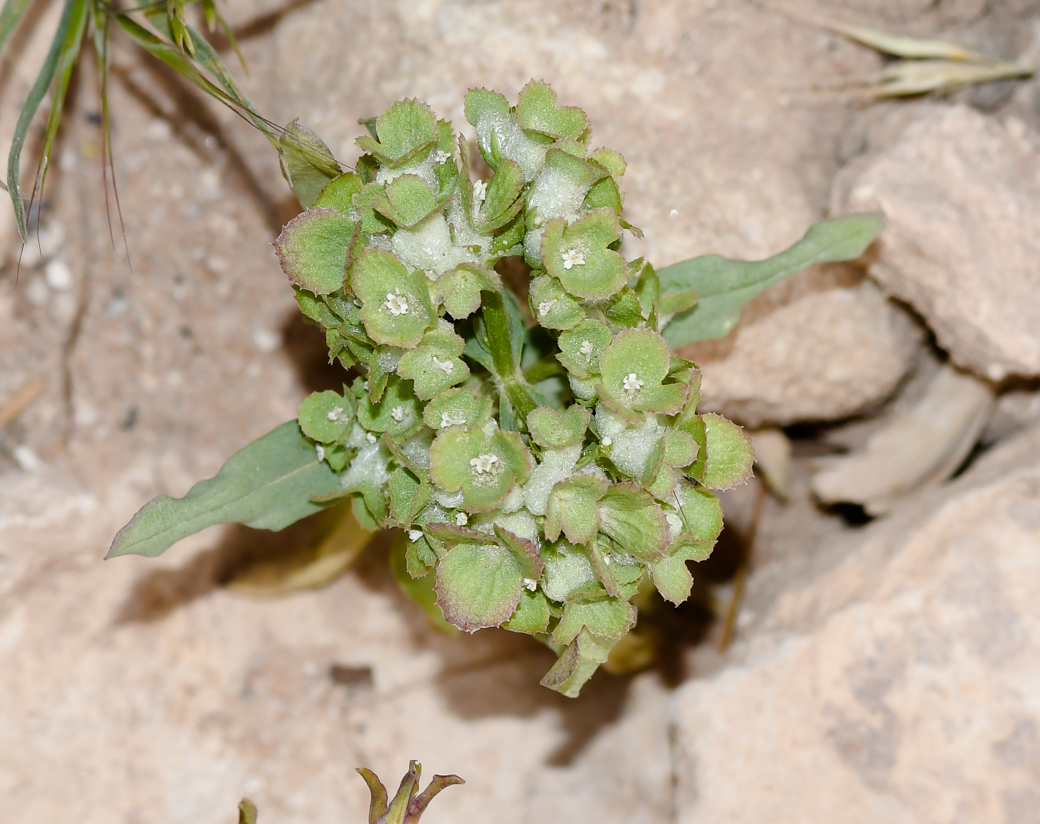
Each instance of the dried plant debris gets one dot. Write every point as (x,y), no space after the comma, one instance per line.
(924,66)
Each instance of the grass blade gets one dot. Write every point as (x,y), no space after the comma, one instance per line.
(911,48)
(68,56)
(32,103)
(10,17)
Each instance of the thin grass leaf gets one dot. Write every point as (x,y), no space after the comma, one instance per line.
(207,57)
(911,48)
(178,61)
(10,17)
(924,76)
(32,103)
(67,58)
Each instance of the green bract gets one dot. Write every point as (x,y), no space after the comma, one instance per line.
(543,475)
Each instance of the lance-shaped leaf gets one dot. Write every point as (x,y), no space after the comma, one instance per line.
(634,367)
(459,290)
(266,485)
(478,585)
(579,257)
(551,306)
(536,111)
(457,407)
(307,163)
(582,347)
(396,307)
(313,249)
(578,663)
(723,286)
(631,518)
(572,508)
(405,129)
(484,468)
(434,365)
(327,417)
(606,617)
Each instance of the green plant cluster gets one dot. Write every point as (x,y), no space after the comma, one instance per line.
(543,465)
(532,437)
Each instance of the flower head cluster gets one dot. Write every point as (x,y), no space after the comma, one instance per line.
(541,454)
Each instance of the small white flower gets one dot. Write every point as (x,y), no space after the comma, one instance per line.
(608,560)
(607,441)
(483,463)
(573,257)
(632,382)
(320,450)
(545,307)
(586,349)
(414,535)
(445,366)
(370,438)
(451,420)
(397,413)
(396,304)
(530,584)
(479,191)
(461,519)
(440,156)
(334,415)
(675,524)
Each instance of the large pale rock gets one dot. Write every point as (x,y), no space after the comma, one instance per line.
(961,192)
(891,676)
(820,348)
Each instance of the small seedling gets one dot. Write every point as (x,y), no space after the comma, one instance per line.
(539,452)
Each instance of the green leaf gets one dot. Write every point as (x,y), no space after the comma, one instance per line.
(434,365)
(266,485)
(478,586)
(396,307)
(536,111)
(551,306)
(607,618)
(459,290)
(421,589)
(407,201)
(578,254)
(32,102)
(728,453)
(313,248)
(671,575)
(327,416)
(405,129)
(532,614)
(307,163)
(552,429)
(723,286)
(246,812)
(578,664)
(10,17)
(572,508)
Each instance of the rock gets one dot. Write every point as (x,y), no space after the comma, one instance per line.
(823,346)
(891,674)
(913,448)
(961,192)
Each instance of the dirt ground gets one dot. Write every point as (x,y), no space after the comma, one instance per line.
(139,690)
